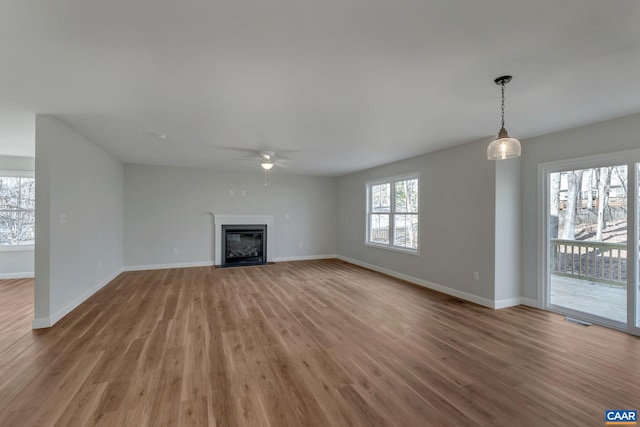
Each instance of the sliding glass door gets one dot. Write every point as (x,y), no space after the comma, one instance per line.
(590,239)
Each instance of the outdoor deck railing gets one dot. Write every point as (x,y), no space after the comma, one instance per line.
(595,261)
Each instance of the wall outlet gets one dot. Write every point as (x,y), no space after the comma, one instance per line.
(175,251)
(476,275)
(354,248)
(300,245)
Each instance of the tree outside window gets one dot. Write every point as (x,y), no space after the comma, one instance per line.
(17,210)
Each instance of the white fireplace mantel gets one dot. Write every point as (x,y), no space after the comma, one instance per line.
(227,219)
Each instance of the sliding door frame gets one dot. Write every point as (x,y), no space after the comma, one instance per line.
(631,158)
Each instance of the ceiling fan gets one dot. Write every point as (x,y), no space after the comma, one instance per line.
(267,160)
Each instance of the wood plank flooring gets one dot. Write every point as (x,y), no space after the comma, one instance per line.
(313,343)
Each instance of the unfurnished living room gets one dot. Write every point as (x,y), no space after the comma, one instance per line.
(331,213)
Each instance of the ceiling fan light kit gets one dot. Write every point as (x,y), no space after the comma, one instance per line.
(503,147)
(266,159)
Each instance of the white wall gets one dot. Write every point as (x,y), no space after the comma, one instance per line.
(16,263)
(13,163)
(79,220)
(599,138)
(457,208)
(507,237)
(170,207)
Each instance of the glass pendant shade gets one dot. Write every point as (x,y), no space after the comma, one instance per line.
(504,147)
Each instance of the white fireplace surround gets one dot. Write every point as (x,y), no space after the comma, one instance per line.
(225,219)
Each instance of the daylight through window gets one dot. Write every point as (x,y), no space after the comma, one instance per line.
(17,210)
(392,213)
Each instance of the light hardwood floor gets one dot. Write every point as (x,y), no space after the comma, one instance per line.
(314,343)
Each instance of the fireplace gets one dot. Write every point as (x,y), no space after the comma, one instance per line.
(220,219)
(243,244)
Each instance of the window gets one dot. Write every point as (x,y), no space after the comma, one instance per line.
(17,209)
(392,213)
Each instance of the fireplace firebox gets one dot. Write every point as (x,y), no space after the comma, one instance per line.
(244,245)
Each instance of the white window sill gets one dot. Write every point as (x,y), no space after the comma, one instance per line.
(16,248)
(394,249)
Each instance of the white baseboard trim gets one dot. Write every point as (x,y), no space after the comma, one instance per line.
(304,258)
(430,285)
(41,323)
(530,302)
(26,275)
(509,302)
(47,322)
(165,266)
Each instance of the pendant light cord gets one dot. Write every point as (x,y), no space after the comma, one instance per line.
(502,105)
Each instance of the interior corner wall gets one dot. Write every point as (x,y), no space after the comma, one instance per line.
(169,221)
(599,138)
(79,220)
(457,222)
(16,263)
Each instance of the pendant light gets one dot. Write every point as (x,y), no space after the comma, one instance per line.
(504,147)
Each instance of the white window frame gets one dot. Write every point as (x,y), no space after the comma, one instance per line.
(392,212)
(17,174)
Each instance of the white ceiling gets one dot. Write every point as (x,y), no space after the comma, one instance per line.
(339,85)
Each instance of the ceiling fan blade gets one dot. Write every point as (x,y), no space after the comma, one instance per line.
(248,151)
(260,157)
(250,158)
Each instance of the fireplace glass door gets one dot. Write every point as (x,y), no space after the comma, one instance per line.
(244,244)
